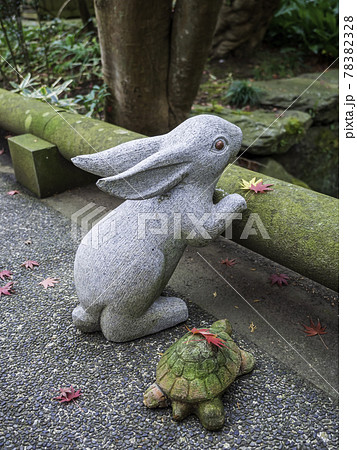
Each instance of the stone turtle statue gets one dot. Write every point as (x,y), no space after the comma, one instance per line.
(124,263)
(193,373)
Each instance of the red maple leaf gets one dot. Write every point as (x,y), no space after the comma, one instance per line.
(202,331)
(68,394)
(215,340)
(228,262)
(315,330)
(279,279)
(30,264)
(49,282)
(210,337)
(7,289)
(13,192)
(5,274)
(260,187)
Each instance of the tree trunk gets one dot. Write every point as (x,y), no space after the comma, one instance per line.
(241,26)
(85,16)
(193,27)
(152,58)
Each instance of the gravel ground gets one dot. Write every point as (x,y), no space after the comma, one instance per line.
(271,408)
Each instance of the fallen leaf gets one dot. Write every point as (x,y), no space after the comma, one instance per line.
(5,274)
(49,282)
(228,262)
(7,289)
(68,394)
(256,301)
(214,294)
(315,330)
(215,340)
(8,136)
(247,184)
(29,264)
(13,192)
(260,187)
(252,268)
(237,307)
(279,279)
(210,337)
(252,327)
(2,151)
(198,331)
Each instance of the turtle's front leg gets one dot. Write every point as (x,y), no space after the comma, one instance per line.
(181,410)
(211,414)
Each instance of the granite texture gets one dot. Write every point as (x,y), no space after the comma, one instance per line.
(125,261)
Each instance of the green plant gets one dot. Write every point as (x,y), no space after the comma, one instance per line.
(28,88)
(310,24)
(294,126)
(79,57)
(241,93)
(54,48)
(93,102)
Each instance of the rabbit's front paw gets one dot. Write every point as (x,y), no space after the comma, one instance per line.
(232,203)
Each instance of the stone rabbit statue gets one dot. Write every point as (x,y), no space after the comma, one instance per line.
(124,263)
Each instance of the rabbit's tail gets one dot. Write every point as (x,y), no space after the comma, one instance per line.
(86,321)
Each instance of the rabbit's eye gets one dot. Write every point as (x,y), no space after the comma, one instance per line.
(219,145)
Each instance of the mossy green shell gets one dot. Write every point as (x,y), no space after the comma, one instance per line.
(192,370)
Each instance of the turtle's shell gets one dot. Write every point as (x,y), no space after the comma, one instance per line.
(193,370)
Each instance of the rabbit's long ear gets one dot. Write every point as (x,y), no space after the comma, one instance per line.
(154,176)
(120,158)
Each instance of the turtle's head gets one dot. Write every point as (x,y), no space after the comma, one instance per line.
(222,325)
(155,398)
(247,364)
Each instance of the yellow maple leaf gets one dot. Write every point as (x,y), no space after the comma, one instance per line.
(246,184)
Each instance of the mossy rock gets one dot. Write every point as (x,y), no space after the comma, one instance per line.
(301,225)
(330,76)
(274,169)
(262,133)
(315,159)
(319,99)
(64,129)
